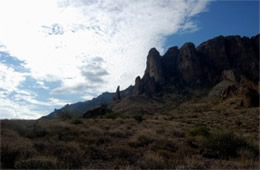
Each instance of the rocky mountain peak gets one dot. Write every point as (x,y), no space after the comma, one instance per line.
(154,66)
(189,63)
(169,62)
(118,97)
(138,88)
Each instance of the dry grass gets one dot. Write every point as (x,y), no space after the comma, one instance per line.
(181,137)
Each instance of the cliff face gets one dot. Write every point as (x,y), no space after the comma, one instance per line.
(206,64)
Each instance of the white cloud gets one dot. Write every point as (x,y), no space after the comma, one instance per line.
(89,46)
(15,110)
(57,38)
(10,79)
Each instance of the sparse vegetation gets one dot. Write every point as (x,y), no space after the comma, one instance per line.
(225,145)
(177,139)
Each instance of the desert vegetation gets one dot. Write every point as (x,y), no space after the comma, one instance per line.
(195,135)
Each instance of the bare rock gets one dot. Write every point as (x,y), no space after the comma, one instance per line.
(189,63)
(118,93)
(154,66)
(138,88)
(228,75)
(149,85)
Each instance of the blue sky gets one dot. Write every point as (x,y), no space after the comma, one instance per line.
(222,18)
(81,48)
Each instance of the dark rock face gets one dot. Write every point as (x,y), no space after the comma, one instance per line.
(232,52)
(117,97)
(149,85)
(169,63)
(228,75)
(219,59)
(189,63)
(154,66)
(138,88)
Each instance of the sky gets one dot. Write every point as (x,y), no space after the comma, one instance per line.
(54,52)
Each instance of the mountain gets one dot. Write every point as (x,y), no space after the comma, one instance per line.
(221,67)
(77,109)
(201,66)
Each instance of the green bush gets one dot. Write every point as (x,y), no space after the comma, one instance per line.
(224,145)
(200,131)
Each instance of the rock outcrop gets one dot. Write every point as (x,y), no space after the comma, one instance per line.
(169,63)
(218,62)
(138,88)
(228,75)
(117,97)
(154,66)
(189,63)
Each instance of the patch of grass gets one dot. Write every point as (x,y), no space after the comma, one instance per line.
(224,145)
(152,160)
(142,139)
(37,163)
(200,131)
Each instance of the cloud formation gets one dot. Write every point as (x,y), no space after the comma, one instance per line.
(90,45)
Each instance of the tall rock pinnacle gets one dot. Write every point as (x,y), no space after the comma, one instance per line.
(154,66)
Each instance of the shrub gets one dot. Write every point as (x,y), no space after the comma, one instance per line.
(200,131)
(138,118)
(14,147)
(110,115)
(141,141)
(66,115)
(223,145)
(152,160)
(36,163)
(164,144)
(69,155)
(121,151)
(76,121)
